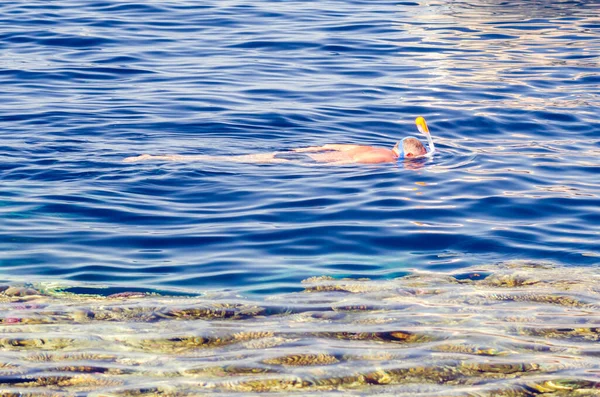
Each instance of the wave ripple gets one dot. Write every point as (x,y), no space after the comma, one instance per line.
(510,90)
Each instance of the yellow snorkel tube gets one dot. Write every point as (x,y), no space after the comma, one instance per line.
(423,129)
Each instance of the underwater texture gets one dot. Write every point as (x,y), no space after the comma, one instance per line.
(512,329)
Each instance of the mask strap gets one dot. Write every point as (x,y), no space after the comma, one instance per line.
(401,149)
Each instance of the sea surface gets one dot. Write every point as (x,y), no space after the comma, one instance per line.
(510,90)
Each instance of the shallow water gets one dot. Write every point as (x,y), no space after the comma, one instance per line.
(514,329)
(511,93)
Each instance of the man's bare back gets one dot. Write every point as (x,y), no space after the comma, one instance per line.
(349,154)
(330,153)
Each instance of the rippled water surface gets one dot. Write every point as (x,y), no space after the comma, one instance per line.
(511,91)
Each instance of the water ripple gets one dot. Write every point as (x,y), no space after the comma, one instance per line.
(510,91)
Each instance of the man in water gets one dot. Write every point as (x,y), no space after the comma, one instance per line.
(408,148)
(333,153)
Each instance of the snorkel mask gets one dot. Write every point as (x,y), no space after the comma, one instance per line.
(423,129)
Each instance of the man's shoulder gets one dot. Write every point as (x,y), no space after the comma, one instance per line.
(374,155)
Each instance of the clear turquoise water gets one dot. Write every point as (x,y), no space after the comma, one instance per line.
(510,90)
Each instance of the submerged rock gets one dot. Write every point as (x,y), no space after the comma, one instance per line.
(512,329)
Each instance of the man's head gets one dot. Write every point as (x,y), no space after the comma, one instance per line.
(411,147)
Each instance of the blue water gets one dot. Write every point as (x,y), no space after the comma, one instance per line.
(511,91)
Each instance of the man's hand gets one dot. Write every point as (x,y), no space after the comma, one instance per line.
(310,149)
(134,159)
(169,157)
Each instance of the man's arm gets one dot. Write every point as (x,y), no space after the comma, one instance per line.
(260,158)
(329,146)
(170,157)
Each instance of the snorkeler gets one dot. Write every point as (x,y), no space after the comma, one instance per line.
(407,148)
